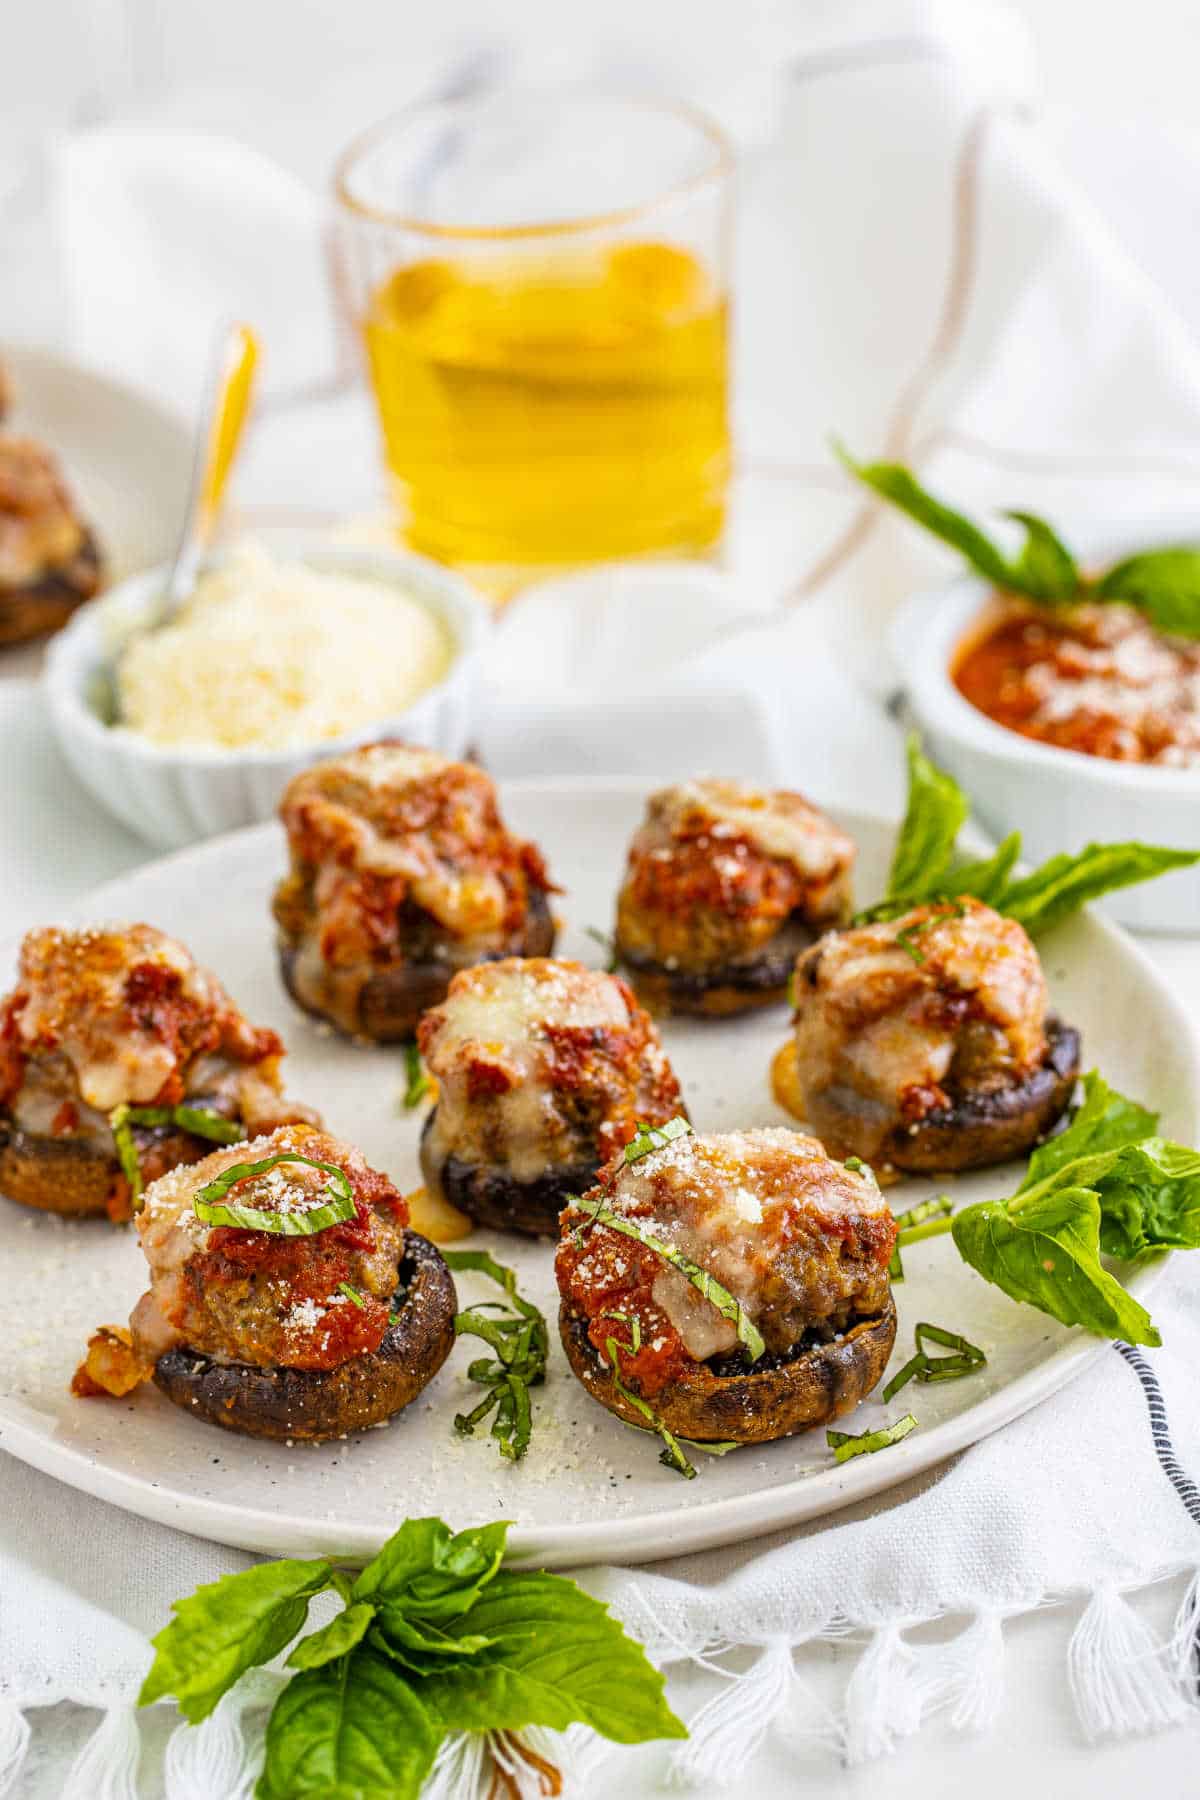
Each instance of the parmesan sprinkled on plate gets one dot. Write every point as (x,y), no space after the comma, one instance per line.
(277,655)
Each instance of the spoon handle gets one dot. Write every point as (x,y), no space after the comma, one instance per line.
(223,416)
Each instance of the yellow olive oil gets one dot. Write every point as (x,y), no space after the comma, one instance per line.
(561,409)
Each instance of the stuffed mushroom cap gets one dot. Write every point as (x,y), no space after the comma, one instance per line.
(929,1023)
(105,1017)
(49,559)
(799,1241)
(724,883)
(542,1063)
(254,1297)
(402,871)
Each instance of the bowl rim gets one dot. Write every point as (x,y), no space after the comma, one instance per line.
(924,634)
(73,654)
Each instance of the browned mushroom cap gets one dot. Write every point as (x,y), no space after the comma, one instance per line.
(492,1196)
(758,980)
(315,1404)
(69,1176)
(772,1400)
(38,607)
(390,1002)
(993,1125)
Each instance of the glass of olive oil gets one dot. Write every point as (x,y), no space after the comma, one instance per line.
(541,284)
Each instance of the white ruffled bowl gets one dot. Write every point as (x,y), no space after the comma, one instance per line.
(1057,799)
(172,796)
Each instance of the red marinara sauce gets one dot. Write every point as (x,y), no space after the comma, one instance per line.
(1094,678)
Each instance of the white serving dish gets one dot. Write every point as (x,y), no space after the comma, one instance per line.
(1057,799)
(173,796)
(590,1489)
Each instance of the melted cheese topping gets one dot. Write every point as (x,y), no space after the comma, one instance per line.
(781,825)
(729,1202)
(510,1040)
(502,1007)
(882,1010)
(75,983)
(168,1227)
(393,811)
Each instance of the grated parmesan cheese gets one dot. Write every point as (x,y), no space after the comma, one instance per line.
(279,655)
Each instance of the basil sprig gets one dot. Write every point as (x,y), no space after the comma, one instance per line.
(1106,1186)
(1163,583)
(926,867)
(210,1207)
(519,1342)
(705,1284)
(200,1121)
(434,1636)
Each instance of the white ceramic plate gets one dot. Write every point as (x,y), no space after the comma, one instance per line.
(589,1487)
(126,458)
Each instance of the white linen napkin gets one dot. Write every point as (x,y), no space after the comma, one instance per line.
(928,271)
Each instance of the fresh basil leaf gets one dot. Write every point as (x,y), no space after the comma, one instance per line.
(557,1657)
(422,1647)
(1045,569)
(423,1572)
(937,809)
(1106,1120)
(335,1639)
(895,483)
(352,1730)
(1164,583)
(227,1627)
(1047,1254)
(1068,881)
(987,877)
(1150,1200)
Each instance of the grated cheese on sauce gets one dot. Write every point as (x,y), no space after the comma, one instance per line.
(278,655)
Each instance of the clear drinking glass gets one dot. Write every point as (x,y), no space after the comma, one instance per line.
(542,288)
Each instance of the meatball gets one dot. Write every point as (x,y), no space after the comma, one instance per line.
(402,872)
(800,1242)
(49,560)
(544,1069)
(119,1017)
(724,885)
(256,1297)
(927,1037)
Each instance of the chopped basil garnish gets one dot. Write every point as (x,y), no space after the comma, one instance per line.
(648,1138)
(845,1445)
(635,1329)
(127,1155)
(208,1203)
(419,1083)
(201,1121)
(351,1294)
(519,1341)
(928,1209)
(705,1284)
(672,1456)
(923,1367)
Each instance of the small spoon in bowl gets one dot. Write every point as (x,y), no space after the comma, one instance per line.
(222,418)
(223,414)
